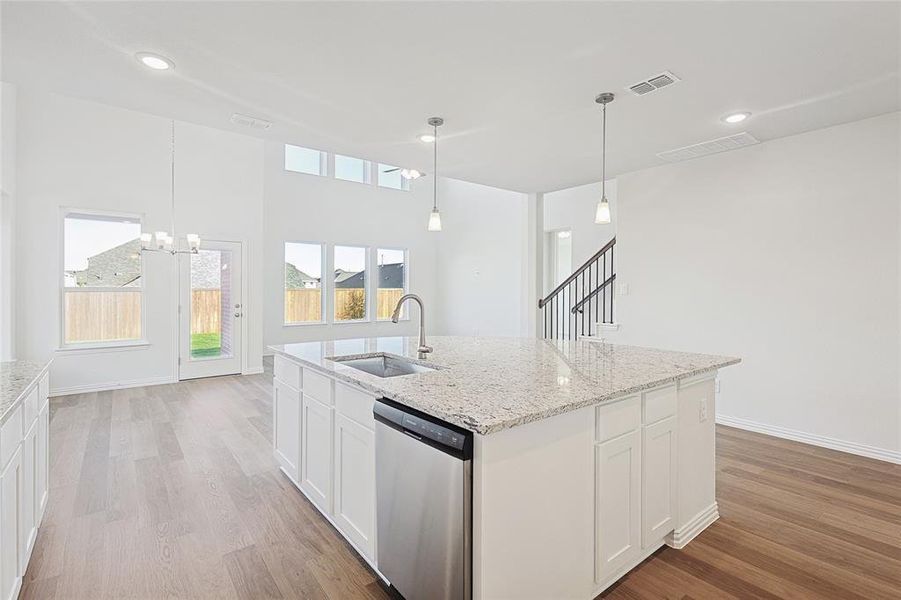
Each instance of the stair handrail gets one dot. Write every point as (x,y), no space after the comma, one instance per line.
(594,293)
(571,278)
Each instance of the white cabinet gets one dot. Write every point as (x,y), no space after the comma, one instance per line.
(42,462)
(658,489)
(10,496)
(316,452)
(618,503)
(286,427)
(355,483)
(27,502)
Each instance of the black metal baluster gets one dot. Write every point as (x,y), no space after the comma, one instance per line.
(581,311)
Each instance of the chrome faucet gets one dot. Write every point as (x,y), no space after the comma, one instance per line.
(423,348)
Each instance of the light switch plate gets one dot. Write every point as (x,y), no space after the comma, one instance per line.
(702,410)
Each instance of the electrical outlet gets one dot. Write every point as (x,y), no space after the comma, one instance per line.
(702,410)
(623,289)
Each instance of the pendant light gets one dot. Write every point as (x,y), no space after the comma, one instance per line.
(164,241)
(435,216)
(602,214)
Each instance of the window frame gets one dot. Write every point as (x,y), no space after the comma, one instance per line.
(323,298)
(405,312)
(367,169)
(323,160)
(367,285)
(140,289)
(404,182)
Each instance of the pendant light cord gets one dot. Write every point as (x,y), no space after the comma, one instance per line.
(435,170)
(172,176)
(604,155)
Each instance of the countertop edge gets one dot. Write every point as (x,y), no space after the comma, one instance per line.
(25,390)
(502,424)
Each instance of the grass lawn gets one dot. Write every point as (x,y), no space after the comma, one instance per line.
(205,344)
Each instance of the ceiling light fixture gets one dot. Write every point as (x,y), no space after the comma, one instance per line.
(163,241)
(736,117)
(428,138)
(602,213)
(435,216)
(155,61)
(410,174)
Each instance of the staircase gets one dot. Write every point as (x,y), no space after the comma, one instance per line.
(583,300)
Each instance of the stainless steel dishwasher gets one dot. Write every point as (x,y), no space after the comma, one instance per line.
(423,474)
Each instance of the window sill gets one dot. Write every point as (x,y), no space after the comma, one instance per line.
(112,347)
(352,322)
(305,324)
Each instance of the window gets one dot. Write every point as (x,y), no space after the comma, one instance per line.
(102,292)
(352,169)
(390,177)
(392,281)
(303,283)
(350,283)
(304,160)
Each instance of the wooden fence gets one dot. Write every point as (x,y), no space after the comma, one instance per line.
(99,316)
(304,306)
(102,316)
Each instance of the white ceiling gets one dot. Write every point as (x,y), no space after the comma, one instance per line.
(515,81)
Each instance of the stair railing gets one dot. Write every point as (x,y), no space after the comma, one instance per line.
(582,299)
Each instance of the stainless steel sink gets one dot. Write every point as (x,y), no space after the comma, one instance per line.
(383,365)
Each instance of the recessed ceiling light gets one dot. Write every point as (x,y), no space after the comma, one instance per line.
(428,138)
(736,117)
(155,61)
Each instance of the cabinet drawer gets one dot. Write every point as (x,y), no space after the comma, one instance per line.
(355,405)
(659,404)
(287,371)
(318,386)
(30,409)
(44,390)
(10,436)
(618,418)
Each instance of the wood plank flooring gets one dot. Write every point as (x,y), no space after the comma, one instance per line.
(171,492)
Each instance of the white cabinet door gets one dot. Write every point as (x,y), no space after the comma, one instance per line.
(316,452)
(42,476)
(286,430)
(658,487)
(618,497)
(355,483)
(27,521)
(10,492)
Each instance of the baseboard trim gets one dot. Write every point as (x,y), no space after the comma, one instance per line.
(253,371)
(105,387)
(822,441)
(681,537)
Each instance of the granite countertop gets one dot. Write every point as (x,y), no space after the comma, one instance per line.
(486,385)
(15,377)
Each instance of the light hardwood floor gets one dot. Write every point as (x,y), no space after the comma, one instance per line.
(171,492)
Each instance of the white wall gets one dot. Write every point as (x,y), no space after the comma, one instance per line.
(787,255)
(574,208)
(79,154)
(7,219)
(480,262)
(309,208)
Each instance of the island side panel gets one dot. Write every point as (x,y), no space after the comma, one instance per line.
(533,510)
(696,477)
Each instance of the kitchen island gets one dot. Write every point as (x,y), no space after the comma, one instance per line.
(587,456)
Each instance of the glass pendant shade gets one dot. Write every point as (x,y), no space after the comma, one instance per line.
(602,214)
(435,220)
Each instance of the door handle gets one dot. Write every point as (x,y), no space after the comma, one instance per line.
(237,314)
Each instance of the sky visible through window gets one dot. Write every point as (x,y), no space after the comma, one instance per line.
(303,160)
(87,237)
(350,259)
(306,257)
(350,169)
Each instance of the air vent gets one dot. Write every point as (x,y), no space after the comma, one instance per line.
(652,84)
(732,142)
(252,122)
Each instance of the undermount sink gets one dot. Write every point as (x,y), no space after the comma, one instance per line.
(383,365)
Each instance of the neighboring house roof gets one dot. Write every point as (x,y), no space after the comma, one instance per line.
(295,279)
(116,267)
(390,276)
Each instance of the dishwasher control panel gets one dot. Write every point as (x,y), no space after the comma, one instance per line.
(433,431)
(421,426)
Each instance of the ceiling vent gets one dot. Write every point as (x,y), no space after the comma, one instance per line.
(652,84)
(732,142)
(252,122)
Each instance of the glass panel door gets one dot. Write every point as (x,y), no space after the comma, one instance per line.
(211,311)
